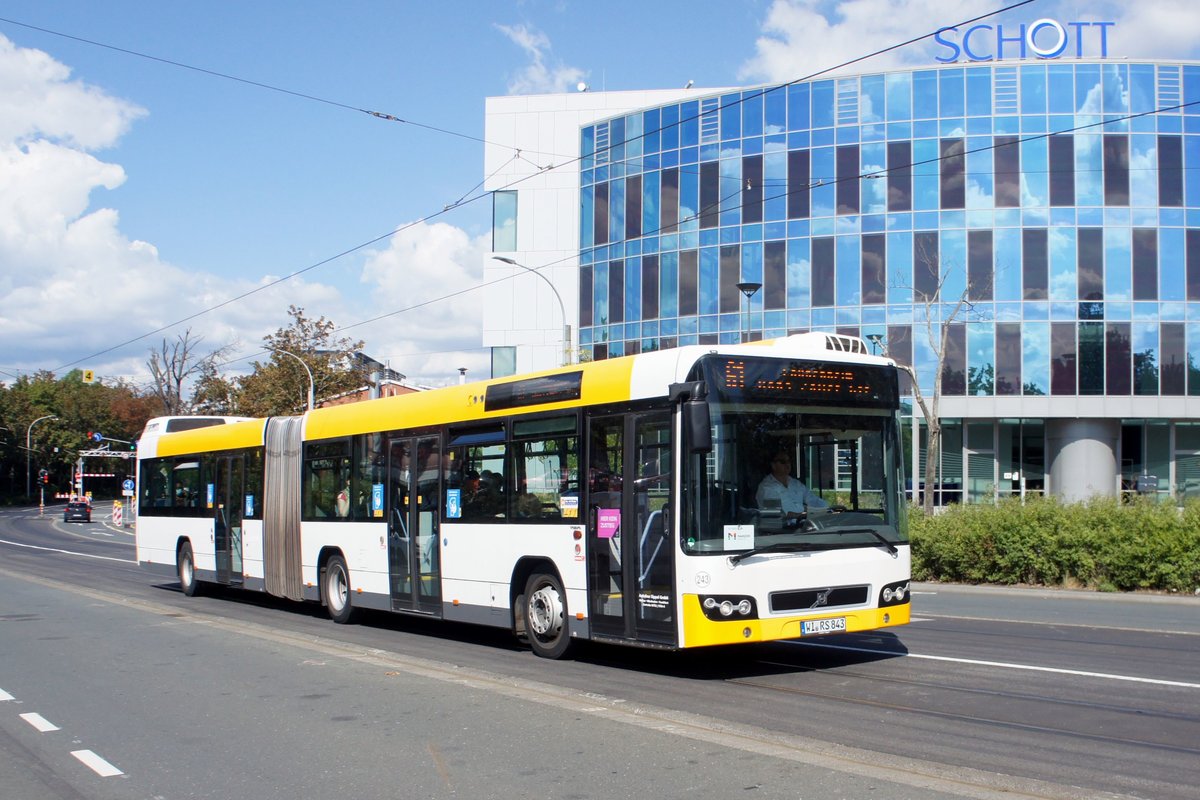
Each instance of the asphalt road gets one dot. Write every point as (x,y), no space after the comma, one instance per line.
(988,693)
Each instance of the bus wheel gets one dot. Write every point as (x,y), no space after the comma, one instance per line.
(185,567)
(336,588)
(546,616)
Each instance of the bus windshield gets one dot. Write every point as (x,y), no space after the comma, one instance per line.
(795,478)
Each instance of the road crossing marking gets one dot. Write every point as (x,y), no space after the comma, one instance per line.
(5,696)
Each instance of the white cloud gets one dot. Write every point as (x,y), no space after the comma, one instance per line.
(38,99)
(434,270)
(73,284)
(539,76)
(802,37)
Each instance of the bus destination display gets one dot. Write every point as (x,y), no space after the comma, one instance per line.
(854,385)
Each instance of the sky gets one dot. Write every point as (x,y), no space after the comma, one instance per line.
(171,167)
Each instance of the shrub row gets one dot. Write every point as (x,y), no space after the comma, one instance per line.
(1101,544)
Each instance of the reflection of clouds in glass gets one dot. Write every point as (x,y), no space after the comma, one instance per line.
(866,110)
(731,152)
(1116,89)
(1092,101)
(1028,198)
(1063,286)
(874,190)
(1143,173)
(979,196)
(772,129)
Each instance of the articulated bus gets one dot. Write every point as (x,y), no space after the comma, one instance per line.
(614,501)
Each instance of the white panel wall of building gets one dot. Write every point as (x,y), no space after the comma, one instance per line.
(533,148)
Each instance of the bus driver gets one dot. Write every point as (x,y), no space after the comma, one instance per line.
(779,490)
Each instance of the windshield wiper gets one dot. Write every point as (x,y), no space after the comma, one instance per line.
(883,539)
(778,547)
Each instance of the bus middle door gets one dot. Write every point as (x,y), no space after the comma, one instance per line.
(414,470)
(630,553)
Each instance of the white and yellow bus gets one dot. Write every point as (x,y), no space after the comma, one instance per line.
(613,501)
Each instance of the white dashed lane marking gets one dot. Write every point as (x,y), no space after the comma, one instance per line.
(96,763)
(92,761)
(40,723)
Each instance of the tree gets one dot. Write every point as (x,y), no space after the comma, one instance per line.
(213,393)
(281,384)
(938,318)
(171,367)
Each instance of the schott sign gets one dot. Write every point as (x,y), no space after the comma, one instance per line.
(1046,38)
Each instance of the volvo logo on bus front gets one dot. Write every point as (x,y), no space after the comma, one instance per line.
(822,598)
(1045,39)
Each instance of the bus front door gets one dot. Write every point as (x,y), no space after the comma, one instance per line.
(228,497)
(630,551)
(414,467)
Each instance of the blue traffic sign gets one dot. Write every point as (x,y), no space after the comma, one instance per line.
(127,485)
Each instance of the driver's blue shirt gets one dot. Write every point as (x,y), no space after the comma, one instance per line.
(794,498)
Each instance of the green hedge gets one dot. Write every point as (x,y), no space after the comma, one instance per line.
(1101,544)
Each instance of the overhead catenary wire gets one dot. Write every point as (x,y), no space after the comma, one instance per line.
(743,97)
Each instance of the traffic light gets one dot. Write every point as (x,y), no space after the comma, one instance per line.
(43,476)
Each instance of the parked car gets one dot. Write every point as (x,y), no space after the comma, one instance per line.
(77,512)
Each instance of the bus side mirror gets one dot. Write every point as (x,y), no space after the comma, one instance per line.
(697,426)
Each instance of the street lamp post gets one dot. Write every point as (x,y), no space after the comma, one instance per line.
(29,451)
(311,385)
(566,339)
(748,288)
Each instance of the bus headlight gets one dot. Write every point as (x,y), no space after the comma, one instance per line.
(894,594)
(728,607)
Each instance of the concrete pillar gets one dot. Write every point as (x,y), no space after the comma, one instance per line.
(1082,456)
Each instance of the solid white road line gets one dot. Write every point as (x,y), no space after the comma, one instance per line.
(4,696)
(1004,665)
(97,764)
(67,552)
(40,723)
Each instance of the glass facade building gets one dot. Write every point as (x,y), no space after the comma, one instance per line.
(1031,228)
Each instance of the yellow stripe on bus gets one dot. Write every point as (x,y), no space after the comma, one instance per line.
(603,382)
(700,631)
(233,436)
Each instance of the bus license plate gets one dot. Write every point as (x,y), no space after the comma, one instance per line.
(812,627)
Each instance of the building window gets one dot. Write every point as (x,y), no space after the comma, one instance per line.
(1062,358)
(1090,268)
(1034,262)
(954,191)
(1116,170)
(1145,263)
(1007,166)
(1118,360)
(504,362)
(1062,171)
(799,170)
(504,222)
(1170,170)
(979,265)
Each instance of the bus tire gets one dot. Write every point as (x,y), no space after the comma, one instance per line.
(545,616)
(185,568)
(335,590)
